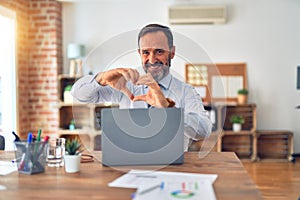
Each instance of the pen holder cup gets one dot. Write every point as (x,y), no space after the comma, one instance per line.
(31,158)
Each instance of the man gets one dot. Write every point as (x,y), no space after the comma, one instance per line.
(126,87)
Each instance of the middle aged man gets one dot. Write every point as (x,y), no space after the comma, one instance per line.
(158,88)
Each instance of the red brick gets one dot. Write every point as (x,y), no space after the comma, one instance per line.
(37,62)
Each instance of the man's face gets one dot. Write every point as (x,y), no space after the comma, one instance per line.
(155,54)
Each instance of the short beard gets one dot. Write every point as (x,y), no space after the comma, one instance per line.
(160,64)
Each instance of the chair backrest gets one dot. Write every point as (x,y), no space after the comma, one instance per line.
(2,142)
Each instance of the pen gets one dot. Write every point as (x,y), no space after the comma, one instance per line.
(150,189)
(22,163)
(16,136)
(26,158)
(40,151)
(29,138)
(38,139)
(145,176)
(36,163)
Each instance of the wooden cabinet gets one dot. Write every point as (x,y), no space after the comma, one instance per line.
(244,142)
(275,144)
(250,143)
(86,117)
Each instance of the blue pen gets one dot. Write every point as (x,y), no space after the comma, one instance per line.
(27,157)
(29,138)
(24,159)
(161,186)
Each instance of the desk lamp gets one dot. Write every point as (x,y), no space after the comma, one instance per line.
(75,55)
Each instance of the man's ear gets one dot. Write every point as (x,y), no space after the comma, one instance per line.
(172,52)
(139,51)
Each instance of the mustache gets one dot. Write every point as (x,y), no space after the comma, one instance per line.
(156,64)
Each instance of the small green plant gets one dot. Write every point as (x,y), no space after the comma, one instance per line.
(68,88)
(237,119)
(243,91)
(73,147)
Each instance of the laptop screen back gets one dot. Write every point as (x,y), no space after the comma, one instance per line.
(142,136)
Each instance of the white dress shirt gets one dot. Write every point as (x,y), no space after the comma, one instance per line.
(196,123)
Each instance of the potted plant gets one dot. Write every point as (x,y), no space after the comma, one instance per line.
(237,122)
(242,96)
(68,98)
(73,155)
(72,124)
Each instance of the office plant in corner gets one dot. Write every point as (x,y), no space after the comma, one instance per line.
(242,96)
(237,121)
(73,155)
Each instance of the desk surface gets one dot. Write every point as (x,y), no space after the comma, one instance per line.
(233,182)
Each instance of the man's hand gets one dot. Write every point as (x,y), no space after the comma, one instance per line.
(154,97)
(117,78)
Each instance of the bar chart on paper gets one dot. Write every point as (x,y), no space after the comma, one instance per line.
(177,190)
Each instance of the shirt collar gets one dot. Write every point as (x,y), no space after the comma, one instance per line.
(166,81)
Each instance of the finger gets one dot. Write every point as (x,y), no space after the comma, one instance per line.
(145,80)
(140,98)
(127,92)
(134,75)
(129,74)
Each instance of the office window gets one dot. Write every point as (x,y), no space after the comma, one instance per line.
(7,76)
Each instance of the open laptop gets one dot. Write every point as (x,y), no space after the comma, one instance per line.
(142,136)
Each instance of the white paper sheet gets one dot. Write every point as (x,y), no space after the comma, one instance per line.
(201,189)
(176,185)
(135,178)
(7,167)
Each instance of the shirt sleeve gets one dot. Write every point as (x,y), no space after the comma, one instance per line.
(197,122)
(88,90)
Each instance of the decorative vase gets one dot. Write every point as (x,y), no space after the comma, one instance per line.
(236,127)
(72,163)
(242,99)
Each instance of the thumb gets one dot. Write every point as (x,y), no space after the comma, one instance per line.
(140,98)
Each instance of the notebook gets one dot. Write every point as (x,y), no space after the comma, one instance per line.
(142,136)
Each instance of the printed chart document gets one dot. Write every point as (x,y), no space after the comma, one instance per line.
(191,190)
(167,185)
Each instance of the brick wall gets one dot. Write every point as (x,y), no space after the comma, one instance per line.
(39,61)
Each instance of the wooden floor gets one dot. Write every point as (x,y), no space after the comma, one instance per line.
(276,180)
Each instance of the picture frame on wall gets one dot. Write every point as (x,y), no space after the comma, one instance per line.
(217,82)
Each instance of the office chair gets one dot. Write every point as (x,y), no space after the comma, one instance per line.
(2,142)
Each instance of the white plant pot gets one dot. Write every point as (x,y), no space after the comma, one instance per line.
(236,127)
(72,163)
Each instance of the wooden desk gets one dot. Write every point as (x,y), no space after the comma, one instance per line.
(233,182)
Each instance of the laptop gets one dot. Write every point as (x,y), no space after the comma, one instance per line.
(142,136)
